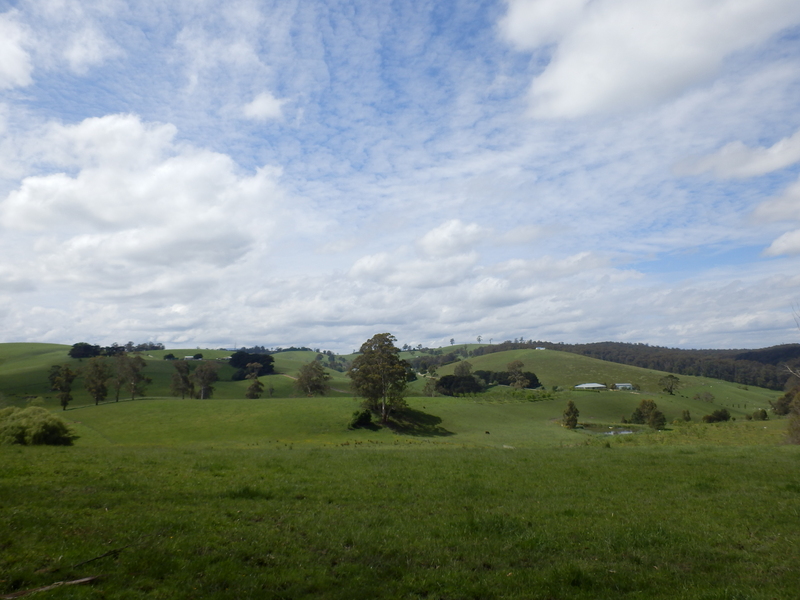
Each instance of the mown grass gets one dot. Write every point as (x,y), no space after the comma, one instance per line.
(361,521)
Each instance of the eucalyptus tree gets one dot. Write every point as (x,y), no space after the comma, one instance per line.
(379,375)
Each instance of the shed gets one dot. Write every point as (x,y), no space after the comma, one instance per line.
(624,386)
(590,386)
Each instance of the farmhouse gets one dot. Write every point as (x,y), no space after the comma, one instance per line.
(590,386)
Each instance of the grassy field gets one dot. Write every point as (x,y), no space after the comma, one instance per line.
(479,497)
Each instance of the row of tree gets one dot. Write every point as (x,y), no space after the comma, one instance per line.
(86,350)
(122,372)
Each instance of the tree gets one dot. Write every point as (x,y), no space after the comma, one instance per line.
(96,376)
(62,383)
(204,377)
(657,420)
(463,369)
(642,413)
(84,350)
(516,377)
(479,338)
(571,414)
(182,382)
(128,375)
(312,379)
(256,387)
(379,375)
(669,384)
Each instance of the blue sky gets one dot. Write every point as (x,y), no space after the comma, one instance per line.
(209,173)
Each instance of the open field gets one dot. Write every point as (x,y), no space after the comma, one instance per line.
(478,497)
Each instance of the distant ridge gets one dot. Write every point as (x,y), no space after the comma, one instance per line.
(763,367)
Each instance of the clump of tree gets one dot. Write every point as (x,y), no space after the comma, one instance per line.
(239,361)
(570,416)
(128,375)
(783,405)
(647,413)
(33,426)
(312,379)
(718,416)
(86,350)
(455,385)
(379,376)
(526,379)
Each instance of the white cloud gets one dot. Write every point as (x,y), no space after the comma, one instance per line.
(264,107)
(140,207)
(15,62)
(450,238)
(614,55)
(86,48)
(784,207)
(735,160)
(788,243)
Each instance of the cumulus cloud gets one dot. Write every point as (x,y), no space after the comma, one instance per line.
(15,62)
(86,48)
(139,205)
(737,161)
(788,243)
(264,107)
(614,55)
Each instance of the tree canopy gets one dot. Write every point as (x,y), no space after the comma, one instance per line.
(379,375)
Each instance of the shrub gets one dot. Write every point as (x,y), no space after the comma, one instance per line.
(657,420)
(570,417)
(686,416)
(717,416)
(760,415)
(642,413)
(361,418)
(33,426)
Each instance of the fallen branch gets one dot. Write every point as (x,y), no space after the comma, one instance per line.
(114,552)
(48,587)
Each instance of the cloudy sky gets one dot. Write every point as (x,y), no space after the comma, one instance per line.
(205,173)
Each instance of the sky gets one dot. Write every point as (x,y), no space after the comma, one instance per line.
(237,173)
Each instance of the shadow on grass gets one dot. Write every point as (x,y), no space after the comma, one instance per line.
(415,422)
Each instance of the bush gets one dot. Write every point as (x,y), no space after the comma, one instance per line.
(361,418)
(760,415)
(33,426)
(717,416)
(657,420)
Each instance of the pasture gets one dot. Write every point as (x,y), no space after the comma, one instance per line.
(276,498)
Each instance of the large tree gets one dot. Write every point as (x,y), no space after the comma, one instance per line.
(96,376)
(204,377)
(669,383)
(129,375)
(312,379)
(182,382)
(379,375)
(62,383)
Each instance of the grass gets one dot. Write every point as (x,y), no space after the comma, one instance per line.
(582,522)
(484,497)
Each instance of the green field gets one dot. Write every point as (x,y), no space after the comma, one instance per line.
(478,497)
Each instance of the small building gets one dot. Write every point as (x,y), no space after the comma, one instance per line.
(590,386)
(540,348)
(623,386)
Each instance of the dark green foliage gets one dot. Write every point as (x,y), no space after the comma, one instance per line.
(506,378)
(182,382)
(361,418)
(379,375)
(717,416)
(453,385)
(170,356)
(33,426)
(239,360)
(96,375)
(641,415)
(198,356)
(686,416)
(254,390)
(84,350)
(669,384)
(61,379)
(570,416)
(760,415)
(657,420)
(782,406)
(312,379)
(204,378)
